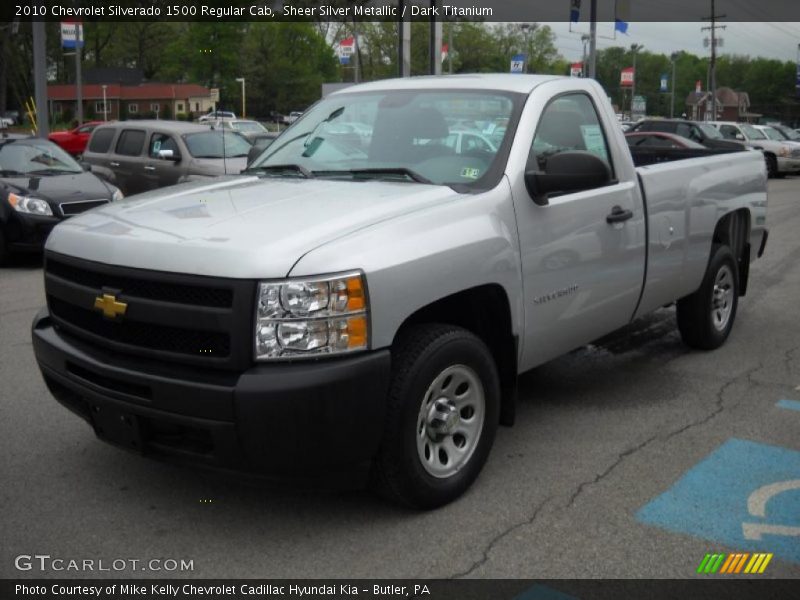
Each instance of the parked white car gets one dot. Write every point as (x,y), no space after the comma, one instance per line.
(781,156)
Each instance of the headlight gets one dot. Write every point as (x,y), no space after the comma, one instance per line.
(785,151)
(32,206)
(117,195)
(311,317)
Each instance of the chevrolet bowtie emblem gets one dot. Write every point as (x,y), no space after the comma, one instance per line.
(110,307)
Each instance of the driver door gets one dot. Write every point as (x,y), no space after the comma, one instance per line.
(581,274)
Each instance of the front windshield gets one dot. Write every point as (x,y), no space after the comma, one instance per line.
(710,131)
(788,133)
(249,126)
(209,144)
(751,132)
(773,134)
(433,136)
(35,157)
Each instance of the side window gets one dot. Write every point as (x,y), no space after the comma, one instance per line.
(728,132)
(130,142)
(162,141)
(101,140)
(568,123)
(684,130)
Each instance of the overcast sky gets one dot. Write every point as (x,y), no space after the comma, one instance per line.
(769,40)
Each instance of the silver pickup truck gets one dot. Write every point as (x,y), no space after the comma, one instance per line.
(358,304)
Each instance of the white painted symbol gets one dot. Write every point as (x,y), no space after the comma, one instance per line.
(757,506)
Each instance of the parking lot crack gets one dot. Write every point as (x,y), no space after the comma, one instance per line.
(498,538)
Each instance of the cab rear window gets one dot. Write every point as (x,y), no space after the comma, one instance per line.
(101,140)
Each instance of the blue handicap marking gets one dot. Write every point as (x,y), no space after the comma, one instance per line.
(744,495)
(790,404)
(543,592)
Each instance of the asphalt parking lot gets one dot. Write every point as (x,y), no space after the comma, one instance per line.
(632,458)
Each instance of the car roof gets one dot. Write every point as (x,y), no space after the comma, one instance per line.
(510,82)
(164,125)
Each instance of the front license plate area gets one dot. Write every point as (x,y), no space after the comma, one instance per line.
(117,427)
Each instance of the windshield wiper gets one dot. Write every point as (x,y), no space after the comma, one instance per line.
(281,168)
(379,171)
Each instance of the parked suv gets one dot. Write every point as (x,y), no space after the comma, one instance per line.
(697,131)
(781,157)
(137,156)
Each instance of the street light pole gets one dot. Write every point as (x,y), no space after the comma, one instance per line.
(634,48)
(105,107)
(241,80)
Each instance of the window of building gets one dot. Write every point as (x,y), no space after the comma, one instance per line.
(100,107)
(180,107)
(196,107)
(133,108)
(155,107)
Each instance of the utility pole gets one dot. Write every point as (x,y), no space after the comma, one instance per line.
(40,78)
(674,58)
(713,66)
(593,40)
(634,48)
(585,39)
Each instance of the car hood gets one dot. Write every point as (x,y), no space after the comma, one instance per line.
(241,227)
(60,188)
(218,166)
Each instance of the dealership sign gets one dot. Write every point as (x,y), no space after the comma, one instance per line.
(576,70)
(626,77)
(71,35)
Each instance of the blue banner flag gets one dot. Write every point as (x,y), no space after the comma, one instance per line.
(664,80)
(575,11)
(622,15)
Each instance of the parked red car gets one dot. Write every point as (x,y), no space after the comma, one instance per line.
(74,141)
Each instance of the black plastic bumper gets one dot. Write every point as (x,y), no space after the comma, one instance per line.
(283,420)
(28,233)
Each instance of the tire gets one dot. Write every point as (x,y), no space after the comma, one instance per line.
(705,318)
(435,444)
(5,255)
(772,166)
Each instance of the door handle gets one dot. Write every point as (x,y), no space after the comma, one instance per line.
(114,164)
(149,168)
(618,215)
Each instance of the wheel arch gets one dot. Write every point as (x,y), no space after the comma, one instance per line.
(485,311)
(733,230)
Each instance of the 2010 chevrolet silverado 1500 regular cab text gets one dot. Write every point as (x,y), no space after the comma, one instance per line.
(361,300)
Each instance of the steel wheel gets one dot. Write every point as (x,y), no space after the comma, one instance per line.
(450,421)
(722,298)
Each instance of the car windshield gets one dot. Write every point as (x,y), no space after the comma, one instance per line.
(751,132)
(209,144)
(789,134)
(397,134)
(35,157)
(248,126)
(773,134)
(710,131)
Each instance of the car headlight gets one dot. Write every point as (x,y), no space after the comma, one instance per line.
(785,151)
(310,317)
(117,195)
(31,206)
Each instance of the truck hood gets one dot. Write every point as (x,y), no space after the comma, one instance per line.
(241,227)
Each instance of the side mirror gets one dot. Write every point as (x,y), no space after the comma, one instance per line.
(85,166)
(167,155)
(567,172)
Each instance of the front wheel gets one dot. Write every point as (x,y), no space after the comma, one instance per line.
(705,318)
(443,414)
(5,255)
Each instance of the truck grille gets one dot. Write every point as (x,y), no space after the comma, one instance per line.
(69,209)
(168,316)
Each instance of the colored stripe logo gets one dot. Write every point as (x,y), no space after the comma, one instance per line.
(734,564)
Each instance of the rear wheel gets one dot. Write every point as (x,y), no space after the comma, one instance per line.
(443,414)
(772,165)
(706,317)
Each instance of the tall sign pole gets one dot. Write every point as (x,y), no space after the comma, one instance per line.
(713,65)
(40,78)
(593,40)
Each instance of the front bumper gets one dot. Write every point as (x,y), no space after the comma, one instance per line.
(788,165)
(28,233)
(305,420)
